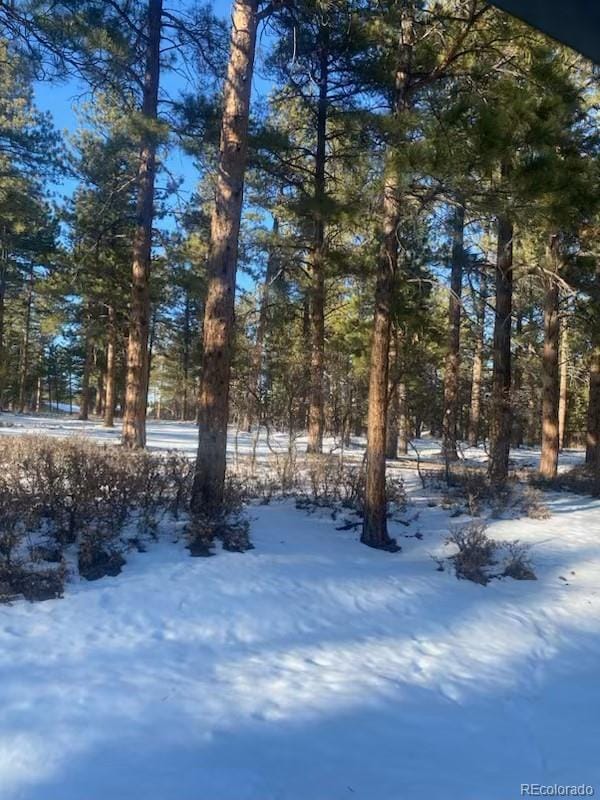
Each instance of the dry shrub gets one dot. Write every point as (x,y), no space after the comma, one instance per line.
(532,505)
(468,490)
(475,551)
(480,558)
(581,479)
(230,525)
(333,483)
(517,564)
(57,494)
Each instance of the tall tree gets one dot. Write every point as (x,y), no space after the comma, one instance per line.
(213,407)
(452,370)
(134,418)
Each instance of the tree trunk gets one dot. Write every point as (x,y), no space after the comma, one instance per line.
(256,374)
(3,276)
(402,419)
(38,394)
(24,360)
(500,423)
(517,386)
(111,370)
(452,370)
(209,478)
(550,366)
(393,423)
(84,408)
(592,450)
(374,529)
(136,384)
(99,407)
(563,403)
(185,360)
(316,416)
(393,408)
(84,400)
(477,371)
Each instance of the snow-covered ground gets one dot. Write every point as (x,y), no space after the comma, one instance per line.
(183,436)
(310,668)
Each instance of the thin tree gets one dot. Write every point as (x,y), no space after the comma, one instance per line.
(550,364)
(136,384)
(501,419)
(213,406)
(452,369)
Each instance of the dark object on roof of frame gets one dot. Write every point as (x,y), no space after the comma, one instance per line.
(575,23)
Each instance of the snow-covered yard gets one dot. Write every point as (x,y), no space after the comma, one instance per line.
(310,668)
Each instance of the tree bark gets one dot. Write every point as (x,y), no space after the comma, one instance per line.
(393,423)
(3,278)
(111,369)
(393,407)
(136,384)
(563,403)
(24,360)
(452,370)
(500,423)
(316,413)
(185,360)
(256,374)
(402,419)
(209,478)
(477,370)
(550,366)
(592,450)
(374,529)
(84,408)
(517,386)
(99,406)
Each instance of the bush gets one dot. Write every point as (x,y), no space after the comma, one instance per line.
(479,558)
(329,482)
(230,525)
(518,564)
(581,479)
(57,494)
(475,551)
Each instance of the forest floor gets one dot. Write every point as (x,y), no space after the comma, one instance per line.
(310,668)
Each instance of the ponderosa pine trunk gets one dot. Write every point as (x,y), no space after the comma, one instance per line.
(477,369)
(136,382)
(550,366)
(99,404)
(374,528)
(316,412)
(3,274)
(111,369)
(501,418)
(452,367)
(186,355)
(256,373)
(393,409)
(402,419)
(517,386)
(563,402)
(592,449)
(209,478)
(84,407)
(24,359)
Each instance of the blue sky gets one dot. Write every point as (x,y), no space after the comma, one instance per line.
(61,101)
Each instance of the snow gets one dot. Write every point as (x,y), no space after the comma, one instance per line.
(309,667)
